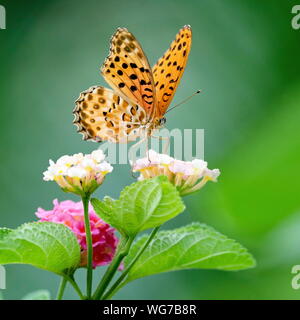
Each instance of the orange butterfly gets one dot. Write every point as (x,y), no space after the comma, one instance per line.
(140,96)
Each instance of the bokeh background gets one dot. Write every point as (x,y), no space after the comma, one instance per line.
(245,56)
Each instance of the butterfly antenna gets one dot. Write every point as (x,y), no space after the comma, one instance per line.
(185,100)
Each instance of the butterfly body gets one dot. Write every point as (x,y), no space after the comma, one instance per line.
(140,96)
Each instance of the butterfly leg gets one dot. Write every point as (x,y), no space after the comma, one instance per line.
(147,148)
(132,155)
(167,144)
(134,147)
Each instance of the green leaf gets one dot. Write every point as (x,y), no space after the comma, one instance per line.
(104,209)
(4,232)
(46,245)
(37,295)
(195,246)
(142,205)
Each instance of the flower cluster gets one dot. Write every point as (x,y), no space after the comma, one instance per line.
(71,214)
(79,174)
(187,176)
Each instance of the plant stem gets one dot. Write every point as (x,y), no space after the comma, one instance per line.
(89,278)
(118,284)
(75,286)
(61,289)
(121,253)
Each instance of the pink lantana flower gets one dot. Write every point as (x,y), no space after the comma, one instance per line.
(187,176)
(71,214)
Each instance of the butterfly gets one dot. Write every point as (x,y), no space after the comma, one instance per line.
(140,96)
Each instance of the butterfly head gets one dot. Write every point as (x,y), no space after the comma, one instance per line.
(160,122)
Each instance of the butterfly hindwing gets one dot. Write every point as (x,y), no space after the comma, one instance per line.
(169,69)
(102,115)
(127,71)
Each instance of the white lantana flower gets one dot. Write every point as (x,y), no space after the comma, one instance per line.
(187,176)
(79,174)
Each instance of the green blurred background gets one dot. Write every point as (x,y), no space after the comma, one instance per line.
(245,55)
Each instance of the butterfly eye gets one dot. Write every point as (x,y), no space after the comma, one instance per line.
(162,121)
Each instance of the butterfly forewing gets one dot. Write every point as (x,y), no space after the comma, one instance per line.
(102,115)
(127,71)
(169,69)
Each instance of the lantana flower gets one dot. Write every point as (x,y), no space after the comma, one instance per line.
(187,176)
(71,214)
(79,174)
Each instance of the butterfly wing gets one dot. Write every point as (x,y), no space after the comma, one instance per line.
(127,71)
(169,69)
(102,115)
